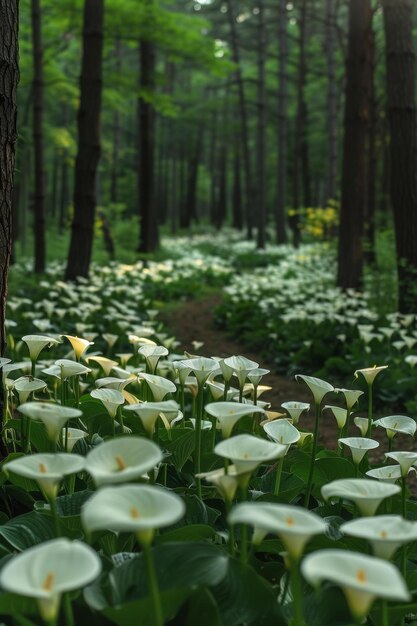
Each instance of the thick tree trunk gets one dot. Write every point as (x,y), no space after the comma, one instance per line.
(261,148)
(332,103)
(188,211)
(39,198)
(398,20)
(148,236)
(350,253)
(88,155)
(280,231)
(243,118)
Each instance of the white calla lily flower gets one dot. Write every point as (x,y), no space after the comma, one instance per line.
(318,387)
(229,413)
(111,382)
(370,373)
(226,484)
(405,460)
(54,416)
(122,459)
(397,424)
(68,368)
(295,409)
(47,470)
(106,364)
(293,525)
(48,570)
(247,452)
(27,385)
(79,345)
(339,414)
(111,398)
(74,435)
(140,509)
(158,385)
(36,343)
(362,578)
(201,367)
(149,412)
(282,432)
(385,533)
(362,424)
(387,473)
(152,354)
(358,446)
(366,494)
(241,367)
(351,396)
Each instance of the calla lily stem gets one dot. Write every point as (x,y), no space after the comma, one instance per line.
(199,417)
(369,430)
(313,454)
(297,594)
(69,615)
(153,585)
(278,476)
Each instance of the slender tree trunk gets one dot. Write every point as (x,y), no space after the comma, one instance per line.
(39,198)
(350,253)
(398,21)
(332,103)
(88,155)
(261,148)
(372,162)
(212,165)
(243,118)
(237,192)
(54,188)
(280,230)
(116,132)
(189,209)
(148,237)
(64,195)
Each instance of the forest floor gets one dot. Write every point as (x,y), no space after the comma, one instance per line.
(193,320)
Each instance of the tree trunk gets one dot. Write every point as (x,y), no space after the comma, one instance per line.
(116,132)
(148,236)
(372,162)
(88,155)
(237,192)
(188,211)
(54,188)
(280,231)
(243,118)
(350,252)
(261,150)
(332,104)
(398,21)
(39,198)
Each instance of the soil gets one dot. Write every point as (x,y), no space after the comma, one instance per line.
(192,321)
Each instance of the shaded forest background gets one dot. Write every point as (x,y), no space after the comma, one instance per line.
(273,118)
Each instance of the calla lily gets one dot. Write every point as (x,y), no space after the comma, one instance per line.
(358,446)
(295,409)
(318,387)
(79,345)
(27,385)
(229,413)
(110,339)
(294,525)
(362,578)
(370,373)
(282,432)
(68,368)
(397,424)
(385,533)
(339,413)
(122,459)
(149,412)
(387,473)
(158,385)
(106,364)
(247,452)
(205,424)
(48,570)
(140,509)
(183,371)
(362,424)
(111,398)
(227,371)
(152,354)
(111,382)
(47,470)
(226,484)
(255,376)
(304,438)
(405,460)
(366,494)
(241,367)
(36,343)
(54,416)
(351,396)
(74,435)
(201,367)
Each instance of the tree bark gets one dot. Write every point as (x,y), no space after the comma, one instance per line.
(116,132)
(148,236)
(332,103)
(88,155)
(261,148)
(350,251)
(40,195)
(237,192)
(280,231)
(398,21)
(243,118)
(372,171)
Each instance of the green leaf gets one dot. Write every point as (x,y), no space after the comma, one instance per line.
(193,532)
(28,530)
(182,448)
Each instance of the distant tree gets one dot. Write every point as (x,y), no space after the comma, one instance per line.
(398,20)
(332,102)
(261,134)
(352,216)
(88,154)
(280,232)
(38,141)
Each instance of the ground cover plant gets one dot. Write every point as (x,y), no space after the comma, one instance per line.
(140,485)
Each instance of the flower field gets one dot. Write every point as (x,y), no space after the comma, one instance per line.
(142,485)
